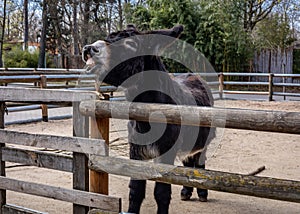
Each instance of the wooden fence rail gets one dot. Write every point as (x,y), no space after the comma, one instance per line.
(270,83)
(287,190)
(273,121)
(88,199)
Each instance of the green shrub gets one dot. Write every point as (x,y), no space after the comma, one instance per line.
(17,58)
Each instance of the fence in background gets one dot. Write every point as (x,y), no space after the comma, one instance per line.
(222,84)
(71,79)
(260,79)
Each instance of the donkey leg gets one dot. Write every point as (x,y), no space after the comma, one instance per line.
(136,195)
(162,191)
(137,188)
(162,194)
(186,192)
(202,193)
(200,163)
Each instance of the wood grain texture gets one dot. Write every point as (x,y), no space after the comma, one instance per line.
(80,161)
(74,196)
(2,163)
(14,209)
(99,181)
(43,159)
(44,95)
(43,85)
(272,121)
(265,187)
(74,144)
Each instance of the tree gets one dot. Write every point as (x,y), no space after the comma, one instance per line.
(274,32)
(2,33)
(75,28)
(26,24)
(42,54)
(256,11)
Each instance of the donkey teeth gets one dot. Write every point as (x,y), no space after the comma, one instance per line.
(90,62)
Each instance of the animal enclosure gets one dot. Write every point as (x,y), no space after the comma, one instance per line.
(278,121)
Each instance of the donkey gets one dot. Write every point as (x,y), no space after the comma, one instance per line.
(130,59)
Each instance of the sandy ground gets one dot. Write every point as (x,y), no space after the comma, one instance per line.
(237,151)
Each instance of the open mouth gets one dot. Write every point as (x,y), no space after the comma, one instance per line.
(90,62)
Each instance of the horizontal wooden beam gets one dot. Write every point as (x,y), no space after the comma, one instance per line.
(74,144)
(273,121)
(246,92)
(97,211)
(14,209)
(265,187)
(49,160)
(73,196)
(30,95)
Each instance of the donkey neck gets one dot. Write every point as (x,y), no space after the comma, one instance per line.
(154,86)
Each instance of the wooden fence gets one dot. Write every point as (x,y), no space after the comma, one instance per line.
(89,154)
(77,164)
(75,79)
(260,79)
(272,121)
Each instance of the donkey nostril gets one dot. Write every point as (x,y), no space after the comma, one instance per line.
(94,49)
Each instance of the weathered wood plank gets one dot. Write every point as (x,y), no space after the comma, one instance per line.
(14,209)
(22,79)
(44,95)
(74,196)
(43,159)
(265,187)
(99,181)
(2,163)
(43,85)
(97,211)
(273,121)
(80,161)
(74,144)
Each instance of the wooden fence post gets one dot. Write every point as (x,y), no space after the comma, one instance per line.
(44,107)
(2,163)
(80,160)
(35,84)
(221,85)
(100,130)
(271,75)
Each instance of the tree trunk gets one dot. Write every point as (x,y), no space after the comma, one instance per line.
(86,18)
(2,33)
(25,24)
(42,55)
(75,28)
(120,10)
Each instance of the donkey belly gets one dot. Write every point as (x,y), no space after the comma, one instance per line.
(148,141)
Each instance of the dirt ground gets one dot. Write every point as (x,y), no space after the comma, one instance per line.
(237,151)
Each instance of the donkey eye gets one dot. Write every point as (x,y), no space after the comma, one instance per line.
(131,44)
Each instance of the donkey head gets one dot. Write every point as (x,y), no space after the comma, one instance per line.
(122,54)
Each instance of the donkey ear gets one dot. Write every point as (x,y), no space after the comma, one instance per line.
(173,32)
(131,27)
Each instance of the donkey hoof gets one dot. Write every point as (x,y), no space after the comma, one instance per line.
(186,197)
(203,198)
